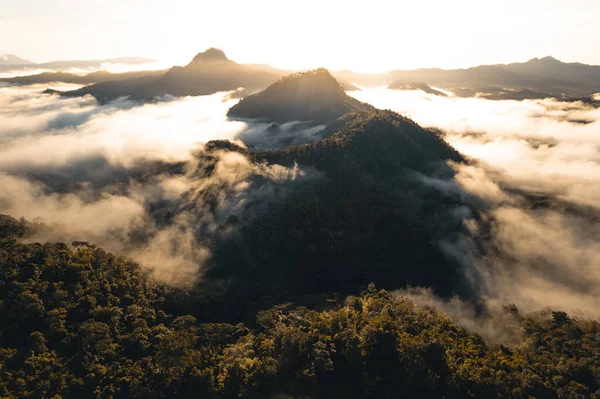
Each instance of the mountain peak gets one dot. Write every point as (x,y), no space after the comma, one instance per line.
(212,54)
(313,74)
(546,60)
(313,95)
(549,59)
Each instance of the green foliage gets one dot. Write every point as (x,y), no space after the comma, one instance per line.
(80,322)
(371,218)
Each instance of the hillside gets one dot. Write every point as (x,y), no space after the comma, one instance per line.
(285,307)
(60,65)
(306,96)
(81,322)
(368,218)
(66,77)
(542,76)
(209,72)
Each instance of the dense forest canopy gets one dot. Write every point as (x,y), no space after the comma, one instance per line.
(305,252)
(81,322)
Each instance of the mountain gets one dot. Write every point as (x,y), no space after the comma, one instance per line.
(23,64)
(290,301)
(10,59)
(537,77)
(370,216)
(90,78)
(209,72)
(379,142)
(551,68)
(306,96)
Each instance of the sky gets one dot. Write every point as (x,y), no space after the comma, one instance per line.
(365,36)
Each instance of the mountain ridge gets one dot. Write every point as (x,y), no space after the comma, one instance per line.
(207,73)
(64,64)
(11,59)
(313,95)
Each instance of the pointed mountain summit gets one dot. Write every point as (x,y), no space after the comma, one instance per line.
(208,72)
(306,96)
(212,54)
(546,61)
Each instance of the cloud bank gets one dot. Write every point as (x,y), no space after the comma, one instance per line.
(535,169)
(134,179)
(138,180)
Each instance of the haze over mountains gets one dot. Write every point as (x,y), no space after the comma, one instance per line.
(212,71)
(10,59)
(247,234)
(209,72)
(12,62)
(543,77)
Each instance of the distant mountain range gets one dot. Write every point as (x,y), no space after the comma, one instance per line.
(90,78)
(536,78)
(209,72)
(212,71)
(10,62)
(10,59)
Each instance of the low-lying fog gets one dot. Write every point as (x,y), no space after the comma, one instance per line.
(538,171)
(535,168)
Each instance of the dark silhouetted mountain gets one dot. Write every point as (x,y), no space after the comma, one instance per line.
(545,76)
(90,78)
(382,142)
(10,59)
(212,54)
(370,217)
(552,69)
(208,73)
(306,96)
(111,90)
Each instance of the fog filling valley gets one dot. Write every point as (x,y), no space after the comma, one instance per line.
(536,168)
(133,179)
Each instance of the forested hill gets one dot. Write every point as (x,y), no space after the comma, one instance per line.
(306,96)
(368,217)
(78,322)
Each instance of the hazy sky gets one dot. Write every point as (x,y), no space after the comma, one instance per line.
(372,35)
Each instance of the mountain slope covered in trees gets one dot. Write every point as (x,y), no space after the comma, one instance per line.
(80,322)
(370,217)
(287,306)
(306,96)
